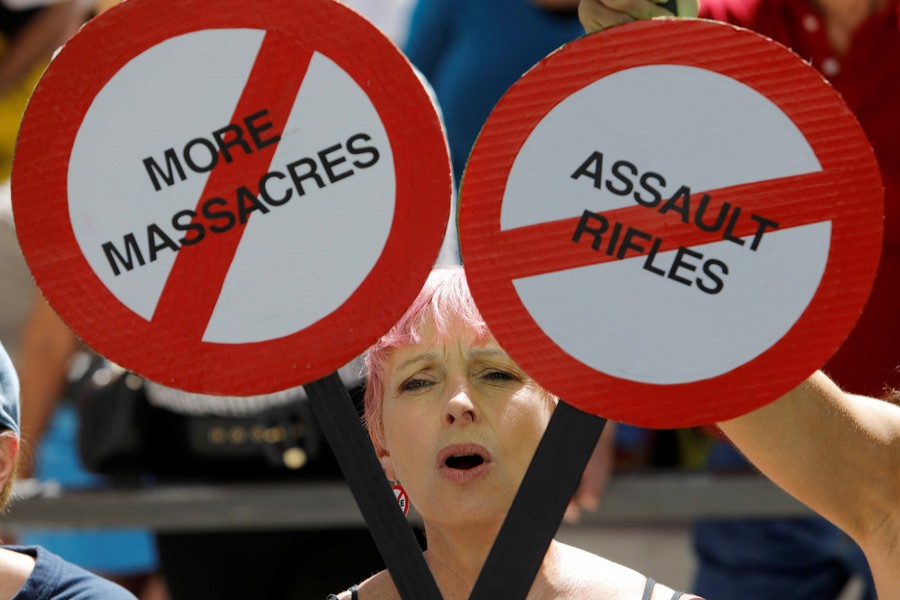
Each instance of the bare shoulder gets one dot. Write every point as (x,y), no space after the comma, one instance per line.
(16,568)
(586,575)
(379,586)
(578,573)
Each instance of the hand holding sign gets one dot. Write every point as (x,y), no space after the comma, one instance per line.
(596,15)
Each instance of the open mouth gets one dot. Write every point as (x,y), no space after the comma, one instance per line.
(464,462)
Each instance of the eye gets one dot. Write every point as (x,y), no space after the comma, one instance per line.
(414,384)
(498,376)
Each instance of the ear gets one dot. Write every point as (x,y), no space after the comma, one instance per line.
(383,454)
(9,450)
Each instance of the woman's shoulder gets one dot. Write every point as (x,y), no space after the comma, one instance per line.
(585,574)
(16,568)
(576,573)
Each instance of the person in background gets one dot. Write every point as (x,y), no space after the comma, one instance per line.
(855,44)
(49,430)
(30,30)
(30,572)
(471,51)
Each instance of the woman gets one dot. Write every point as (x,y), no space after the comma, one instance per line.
(455,420)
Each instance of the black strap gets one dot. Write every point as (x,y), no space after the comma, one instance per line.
(538,508)
(351,446)
(648,589)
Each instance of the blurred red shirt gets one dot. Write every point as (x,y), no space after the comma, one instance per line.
(868,78)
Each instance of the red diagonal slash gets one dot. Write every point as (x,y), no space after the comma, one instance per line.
(548,247)
(198,274)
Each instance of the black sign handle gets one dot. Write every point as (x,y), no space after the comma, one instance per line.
(539,505)
(353,450)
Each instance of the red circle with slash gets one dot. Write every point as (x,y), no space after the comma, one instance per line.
(232,201)
(671,233)
(402,499)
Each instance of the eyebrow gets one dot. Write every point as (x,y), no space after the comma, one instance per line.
(424,357)
(487,352)
(429,356)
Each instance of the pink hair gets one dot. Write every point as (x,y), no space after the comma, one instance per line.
(444,298)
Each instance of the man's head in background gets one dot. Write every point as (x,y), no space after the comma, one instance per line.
(9,426)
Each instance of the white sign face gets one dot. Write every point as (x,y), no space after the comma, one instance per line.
(137,187)
(674,324)
(659,233)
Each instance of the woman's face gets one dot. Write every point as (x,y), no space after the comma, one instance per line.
(461,422)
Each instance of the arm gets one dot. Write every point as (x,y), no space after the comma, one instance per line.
(37,41)
(595,479)
(46,348)
(839,454)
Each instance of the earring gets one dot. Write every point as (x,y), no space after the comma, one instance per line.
(400,495)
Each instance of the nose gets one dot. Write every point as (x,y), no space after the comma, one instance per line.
(459,408)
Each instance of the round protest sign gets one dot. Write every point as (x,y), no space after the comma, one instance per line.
(235,200)
(670,234)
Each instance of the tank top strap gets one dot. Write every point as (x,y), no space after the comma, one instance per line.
(648,589)
(354,594)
